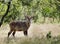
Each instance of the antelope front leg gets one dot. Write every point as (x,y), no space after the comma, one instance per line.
(25,33)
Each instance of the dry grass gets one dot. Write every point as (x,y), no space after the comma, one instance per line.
(36,35)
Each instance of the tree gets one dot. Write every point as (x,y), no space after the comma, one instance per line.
(6,13)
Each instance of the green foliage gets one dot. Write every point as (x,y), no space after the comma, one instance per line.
(26,2)
(42,8)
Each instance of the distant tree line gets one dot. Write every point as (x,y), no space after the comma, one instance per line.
(16,9)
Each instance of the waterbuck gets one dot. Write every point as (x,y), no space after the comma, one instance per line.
(20,26)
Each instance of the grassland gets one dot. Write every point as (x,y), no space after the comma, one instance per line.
(37,35)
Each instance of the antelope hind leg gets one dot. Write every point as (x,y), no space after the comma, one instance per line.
(9,33)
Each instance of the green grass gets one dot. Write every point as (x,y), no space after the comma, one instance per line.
(27,40)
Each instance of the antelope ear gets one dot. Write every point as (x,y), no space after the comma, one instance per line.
(32,17)
(26,16)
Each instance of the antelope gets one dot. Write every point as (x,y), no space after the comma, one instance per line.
(20,26)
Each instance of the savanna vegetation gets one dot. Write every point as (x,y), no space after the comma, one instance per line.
(45,11)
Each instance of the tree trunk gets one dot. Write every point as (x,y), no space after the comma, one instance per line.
(53,19)
(2,19)
(44,19)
